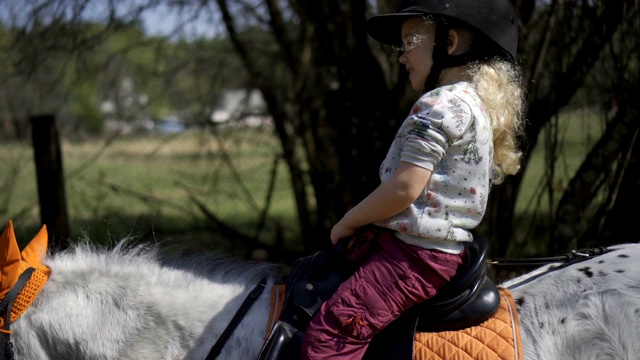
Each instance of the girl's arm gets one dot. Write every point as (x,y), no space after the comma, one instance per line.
(390,198)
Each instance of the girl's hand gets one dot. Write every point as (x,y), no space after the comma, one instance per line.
(340,231)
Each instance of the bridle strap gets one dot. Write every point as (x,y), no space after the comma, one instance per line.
(5,308)
(242,311)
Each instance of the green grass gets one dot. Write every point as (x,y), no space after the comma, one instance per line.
(143,185)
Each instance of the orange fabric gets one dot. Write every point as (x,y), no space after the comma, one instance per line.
(496,338)
(13,263)
(277,303)
(9,260)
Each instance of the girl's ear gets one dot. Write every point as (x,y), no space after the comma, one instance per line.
(453,41)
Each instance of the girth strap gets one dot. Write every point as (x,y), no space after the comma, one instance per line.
(5,308)
(246,305)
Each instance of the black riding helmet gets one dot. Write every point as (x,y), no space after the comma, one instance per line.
(493,20)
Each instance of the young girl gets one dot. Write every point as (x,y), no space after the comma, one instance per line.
(458,140)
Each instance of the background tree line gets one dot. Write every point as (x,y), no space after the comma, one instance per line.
(337,97)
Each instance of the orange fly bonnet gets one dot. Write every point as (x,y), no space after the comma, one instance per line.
(13,263)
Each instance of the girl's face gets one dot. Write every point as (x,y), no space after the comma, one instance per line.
(417,38)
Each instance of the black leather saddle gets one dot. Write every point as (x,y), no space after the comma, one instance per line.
(469,299)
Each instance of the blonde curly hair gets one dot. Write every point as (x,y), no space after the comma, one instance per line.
(499,85)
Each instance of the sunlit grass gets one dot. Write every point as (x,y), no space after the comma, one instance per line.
(145,184)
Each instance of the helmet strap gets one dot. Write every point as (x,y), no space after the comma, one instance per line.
(439,55)
(441,58)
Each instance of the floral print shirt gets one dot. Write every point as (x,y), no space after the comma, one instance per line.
(449,133)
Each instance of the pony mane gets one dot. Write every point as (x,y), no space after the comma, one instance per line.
(129,255)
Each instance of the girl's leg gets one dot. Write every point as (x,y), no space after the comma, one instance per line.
(394,278)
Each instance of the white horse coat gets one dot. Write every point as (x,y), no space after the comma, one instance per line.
(129,303)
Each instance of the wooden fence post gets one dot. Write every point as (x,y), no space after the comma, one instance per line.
(49,171)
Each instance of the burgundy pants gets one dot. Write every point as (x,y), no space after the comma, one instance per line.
(393,276)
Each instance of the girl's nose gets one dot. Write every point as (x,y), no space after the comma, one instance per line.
(403,58)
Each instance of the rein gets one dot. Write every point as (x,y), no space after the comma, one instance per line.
(575,256)
(5,308)
(581,254)
(242,311)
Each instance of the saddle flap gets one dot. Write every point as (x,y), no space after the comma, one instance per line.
(277,346)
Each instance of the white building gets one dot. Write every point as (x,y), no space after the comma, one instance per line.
(241,107)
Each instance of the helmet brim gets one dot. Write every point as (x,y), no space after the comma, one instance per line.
(493,19)
(386,28)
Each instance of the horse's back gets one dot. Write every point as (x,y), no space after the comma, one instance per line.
(587,311)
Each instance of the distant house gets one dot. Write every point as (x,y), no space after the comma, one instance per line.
(241,107)
(125,109)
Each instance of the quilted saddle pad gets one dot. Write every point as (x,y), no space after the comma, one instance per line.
(496,338)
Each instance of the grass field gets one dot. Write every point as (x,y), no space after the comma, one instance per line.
(137,185)
(144,185)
